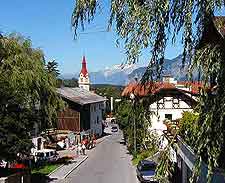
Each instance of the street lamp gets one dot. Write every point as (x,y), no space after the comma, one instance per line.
(132,97)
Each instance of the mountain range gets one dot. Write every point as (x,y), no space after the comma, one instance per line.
(123,74)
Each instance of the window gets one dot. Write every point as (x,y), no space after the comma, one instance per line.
(148,167)
(168,116)
(175,101)
(40,154)
(161,101)
(161,104)
(97,119)
(176,104)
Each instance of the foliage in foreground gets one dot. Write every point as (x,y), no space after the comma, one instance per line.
(189,128)
(27,95)
(146,142)
(150,25)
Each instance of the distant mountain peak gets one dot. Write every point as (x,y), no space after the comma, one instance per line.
(122,74)
(128,68)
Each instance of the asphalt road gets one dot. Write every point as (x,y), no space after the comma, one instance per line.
(109,162)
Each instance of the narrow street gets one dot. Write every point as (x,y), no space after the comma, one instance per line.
(109,162)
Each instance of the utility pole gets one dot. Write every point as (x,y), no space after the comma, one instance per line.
(132,97)
(135,142)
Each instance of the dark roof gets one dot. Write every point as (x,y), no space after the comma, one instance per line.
(80,96)
(219,22)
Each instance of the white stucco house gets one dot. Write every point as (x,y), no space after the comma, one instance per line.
(166,100)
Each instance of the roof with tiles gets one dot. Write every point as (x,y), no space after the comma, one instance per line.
(152,88)
(80,96)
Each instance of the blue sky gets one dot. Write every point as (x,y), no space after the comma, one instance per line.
(47,24)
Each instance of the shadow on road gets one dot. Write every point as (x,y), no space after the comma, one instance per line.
(105,134)
(40,178)
(122,141)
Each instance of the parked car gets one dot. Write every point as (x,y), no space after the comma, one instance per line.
(146,170)
(114,129)
(46,155)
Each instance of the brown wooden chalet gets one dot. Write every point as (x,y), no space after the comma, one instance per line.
(77,114)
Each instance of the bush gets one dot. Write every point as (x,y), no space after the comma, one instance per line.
(188,127)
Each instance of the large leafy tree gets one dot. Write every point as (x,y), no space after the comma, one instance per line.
(128,115)
(149,25)
(27,95)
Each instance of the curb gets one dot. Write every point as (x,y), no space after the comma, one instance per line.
(55,170)
(75,167)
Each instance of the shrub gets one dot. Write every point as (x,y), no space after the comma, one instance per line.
(189,127)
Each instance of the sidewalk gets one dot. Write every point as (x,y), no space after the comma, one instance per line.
(63,171)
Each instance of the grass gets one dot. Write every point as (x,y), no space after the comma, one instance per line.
(46,169)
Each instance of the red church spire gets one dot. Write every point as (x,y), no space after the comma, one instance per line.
(84,67)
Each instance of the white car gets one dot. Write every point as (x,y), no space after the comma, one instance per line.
(46,155)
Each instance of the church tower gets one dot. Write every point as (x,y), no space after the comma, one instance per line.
(84,81)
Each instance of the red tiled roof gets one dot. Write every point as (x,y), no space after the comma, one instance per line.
(154,87)
(143,90)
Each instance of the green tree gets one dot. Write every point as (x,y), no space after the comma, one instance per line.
(27,95)
(189,128)
(70,82)
(109,91)
(52,67)
(150,25)
(126,114)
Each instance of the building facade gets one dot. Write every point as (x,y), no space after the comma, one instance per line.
(167,100)
(84,111)
(96,117)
